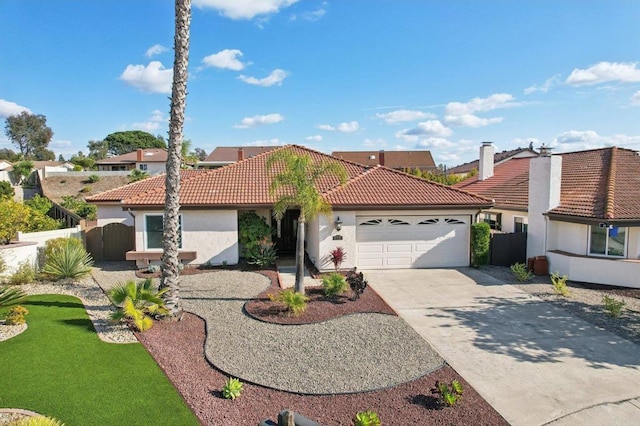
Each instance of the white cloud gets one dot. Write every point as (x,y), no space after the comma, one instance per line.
(499,100)
(8,108)
(345,127)
(259,120)
(156,49)
(277,76)
(623,72)
(225,59)
(266,142)
(314,138)
(312,16)
(404,115)
(153,123)
(470,120)
(153,78)
(375,143)
(635,99)
(425,128)
(576,140)
(545,87)
(245,9)
(435,143)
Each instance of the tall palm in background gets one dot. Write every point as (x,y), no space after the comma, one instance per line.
(295,181)
(170,277)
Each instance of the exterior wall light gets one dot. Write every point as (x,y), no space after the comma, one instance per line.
(338,223)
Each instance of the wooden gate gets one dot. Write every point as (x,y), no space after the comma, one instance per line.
(507,249)
(117,240)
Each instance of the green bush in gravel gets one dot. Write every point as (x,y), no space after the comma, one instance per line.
(334,284)
(613,306)
(520,272)
(296,303)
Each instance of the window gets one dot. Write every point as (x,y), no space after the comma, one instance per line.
(519,224)
(429,222)
(371,222)
(452,221)
(143,167)
(153,227)
(397,222)
(494,220)
(608,240)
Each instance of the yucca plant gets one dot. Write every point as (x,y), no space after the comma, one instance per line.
(37,421)
(68,260)
(138,303)
(334,284)
(232,388)
(366,418)
(11,296)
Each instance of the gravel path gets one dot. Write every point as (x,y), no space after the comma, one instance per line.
(354,353)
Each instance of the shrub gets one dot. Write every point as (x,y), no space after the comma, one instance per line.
(613,306)
(232,388)
(560,284)
(264,254)
(252,230)
(6,190)
(337,256)
(450,393)
(79,207)
(520,272)
(480,237)
(138,303)
(296,303)
(41,204)
(93,178)
(153,269)
(22,170)
(11,296)
(70,260)
(86,189)
(137,175)
(16,315)
(56,244)
(334,284)
(14,217)
(357,283)
(37,421)
(24,274)
(366,418)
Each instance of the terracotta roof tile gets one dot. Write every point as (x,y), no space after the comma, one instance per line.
(392,159)
(498,157)
(230,153)
(150,155)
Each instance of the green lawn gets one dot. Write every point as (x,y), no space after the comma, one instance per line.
(59,367)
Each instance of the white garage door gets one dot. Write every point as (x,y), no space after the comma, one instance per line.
(387,242)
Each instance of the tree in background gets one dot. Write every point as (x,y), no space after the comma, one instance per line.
(295,182)
(170,277)
(29,132)
(9,155)
(98,150)
(43,154)
(83,161)
(439,175)
(119,143)
(6,190)
(200,153)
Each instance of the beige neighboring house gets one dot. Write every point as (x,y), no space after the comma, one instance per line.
(399,160)
(151,161)
(383,218)
(225,155)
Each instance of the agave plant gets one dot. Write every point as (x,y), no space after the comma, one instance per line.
(138,303)
(69,260)
(11,296)
(232,388)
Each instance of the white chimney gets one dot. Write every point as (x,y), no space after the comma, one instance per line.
(485,165)
(545,179)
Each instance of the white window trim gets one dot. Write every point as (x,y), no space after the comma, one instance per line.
(145,237)
(606,247)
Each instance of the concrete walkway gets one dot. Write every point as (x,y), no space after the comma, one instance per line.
(286,267)
(534,363)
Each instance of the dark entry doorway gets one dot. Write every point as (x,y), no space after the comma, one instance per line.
(286,239)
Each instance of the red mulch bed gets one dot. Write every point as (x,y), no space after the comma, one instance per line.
(178,348)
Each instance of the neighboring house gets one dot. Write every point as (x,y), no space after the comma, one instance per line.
(151,161)
(580,209)
(224,155)
(464,169)
(383,218)
(399,160)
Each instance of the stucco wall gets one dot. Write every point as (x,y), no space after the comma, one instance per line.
(506,223)
(569,237)
(213,234)
(619,272)
(153,168)
(111,214)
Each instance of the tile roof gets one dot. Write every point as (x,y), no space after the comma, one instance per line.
(392,159)
(498,157)
(225,154)
(247,183)
(151,155)
(598,184)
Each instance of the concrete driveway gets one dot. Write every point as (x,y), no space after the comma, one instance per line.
(533,362)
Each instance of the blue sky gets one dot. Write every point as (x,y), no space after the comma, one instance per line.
(332,75)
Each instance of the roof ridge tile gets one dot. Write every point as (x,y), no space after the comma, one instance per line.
(611,186)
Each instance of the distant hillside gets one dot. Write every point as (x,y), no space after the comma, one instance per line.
(56,187)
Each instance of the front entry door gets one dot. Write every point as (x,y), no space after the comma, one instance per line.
(286,239)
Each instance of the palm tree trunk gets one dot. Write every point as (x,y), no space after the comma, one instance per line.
(171,229)
(299,287)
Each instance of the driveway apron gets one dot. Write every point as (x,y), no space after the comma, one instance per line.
(533,362)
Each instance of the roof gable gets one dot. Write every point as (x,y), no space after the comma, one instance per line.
(230,154)
(498,157)
(392,159)
(150,155)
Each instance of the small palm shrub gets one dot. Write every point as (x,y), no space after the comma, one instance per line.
(37,421)
(16,315)
(93,178)
(520,272)
(366,418)
(296,303)
(138,303)
(232,388)
(334,284)
(613,306)
(560,284)
(263,253)
(450,393)
(11,296)
(68,260)
(357,283)
(24,274)
(337,256)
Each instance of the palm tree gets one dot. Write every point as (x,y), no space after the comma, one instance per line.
(170,278)
(296,181)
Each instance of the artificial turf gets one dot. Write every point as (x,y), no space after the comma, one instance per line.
(60,368)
